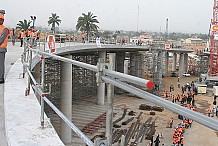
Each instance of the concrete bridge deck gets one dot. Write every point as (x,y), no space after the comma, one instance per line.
(20,114)
(12,95)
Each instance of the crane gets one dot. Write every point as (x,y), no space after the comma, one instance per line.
(213,68)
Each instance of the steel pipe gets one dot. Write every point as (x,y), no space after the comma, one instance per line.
(70,124)
(74,62)
(128,78)
(31,76)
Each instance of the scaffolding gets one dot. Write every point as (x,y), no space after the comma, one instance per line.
(84,80)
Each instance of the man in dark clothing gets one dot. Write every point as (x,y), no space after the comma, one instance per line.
(217,111)
(157,140)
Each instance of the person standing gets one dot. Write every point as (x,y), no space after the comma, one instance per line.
(208,111)
(4,33)
(178,84)
(83,37)
(22,35)
(213,110)
(13,36)
(217,111)
(34,37)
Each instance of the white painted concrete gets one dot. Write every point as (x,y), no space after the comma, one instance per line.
(66,99)
(22,114)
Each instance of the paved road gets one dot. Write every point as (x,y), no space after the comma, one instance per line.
(14,53)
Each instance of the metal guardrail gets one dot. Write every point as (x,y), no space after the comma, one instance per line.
(40,88)
(116,78)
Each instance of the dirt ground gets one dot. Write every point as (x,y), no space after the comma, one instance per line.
(198,135)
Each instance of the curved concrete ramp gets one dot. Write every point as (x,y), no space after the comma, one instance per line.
(22,114)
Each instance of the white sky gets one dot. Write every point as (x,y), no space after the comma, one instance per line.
(184,15)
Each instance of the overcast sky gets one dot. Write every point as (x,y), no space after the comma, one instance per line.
(188,16)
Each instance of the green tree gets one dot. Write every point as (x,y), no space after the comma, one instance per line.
(23,25)
(53,20)
(87,23)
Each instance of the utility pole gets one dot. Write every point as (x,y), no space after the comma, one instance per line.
(138,20)
(167,35)
(33,18)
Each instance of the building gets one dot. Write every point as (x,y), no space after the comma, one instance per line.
(194,41)
(196,44)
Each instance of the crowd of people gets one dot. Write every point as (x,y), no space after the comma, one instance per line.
(31,34)
(186,99)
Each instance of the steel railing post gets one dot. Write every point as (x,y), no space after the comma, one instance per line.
(23,57)
(122,143)
(28,81)
(110,96)
(42,86)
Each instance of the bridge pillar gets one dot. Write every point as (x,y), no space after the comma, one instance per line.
(126,67)
(185,62)
(101,87)
(120,57)
(136,64)
(166,63)
(181,64)
(66,99)
(174,62)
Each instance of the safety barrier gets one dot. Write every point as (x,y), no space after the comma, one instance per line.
(113,78)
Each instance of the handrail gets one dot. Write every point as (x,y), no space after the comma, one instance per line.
(74,62)
(63,117)
(116,79)
(124,77)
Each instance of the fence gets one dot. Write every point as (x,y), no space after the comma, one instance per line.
(114,79)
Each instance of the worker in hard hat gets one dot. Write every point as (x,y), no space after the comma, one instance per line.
(4,33)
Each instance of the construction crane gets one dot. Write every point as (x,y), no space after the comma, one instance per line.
(213,68)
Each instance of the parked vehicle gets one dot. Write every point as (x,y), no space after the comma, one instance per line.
(186,74)
(173,74)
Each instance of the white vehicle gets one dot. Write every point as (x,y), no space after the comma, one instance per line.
(186,74)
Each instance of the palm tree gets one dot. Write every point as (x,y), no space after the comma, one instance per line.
(53,20)
(23,25)
(87,23)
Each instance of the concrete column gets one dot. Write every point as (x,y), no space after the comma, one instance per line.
(166,63)
(66,99)
(185,62)
(181,64)
(120,57)
(119,61)
(174,62)
(132,64)
(159,69)
(126,65)
(101,87)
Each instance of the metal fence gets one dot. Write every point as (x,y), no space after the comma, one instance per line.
(114,79)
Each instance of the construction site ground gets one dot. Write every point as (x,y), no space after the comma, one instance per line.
(197,135)
(86,111)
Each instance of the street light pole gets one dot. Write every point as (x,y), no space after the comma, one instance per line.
(33,18)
